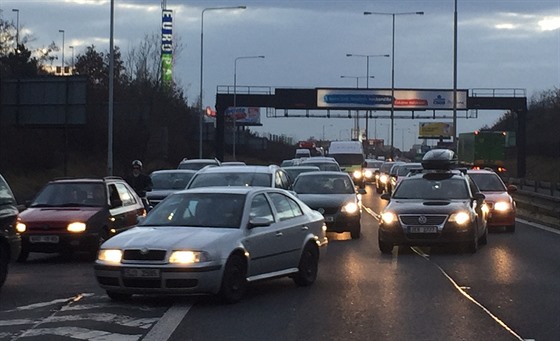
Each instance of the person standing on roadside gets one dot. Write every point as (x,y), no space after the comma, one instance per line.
(140,182)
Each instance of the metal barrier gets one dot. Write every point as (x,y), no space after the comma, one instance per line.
(536,186)
(538,207)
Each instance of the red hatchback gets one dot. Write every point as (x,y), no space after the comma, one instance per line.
(78,214)
(498,198)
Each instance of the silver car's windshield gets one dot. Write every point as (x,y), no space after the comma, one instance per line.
(424,188)
(177,180)
(198,210)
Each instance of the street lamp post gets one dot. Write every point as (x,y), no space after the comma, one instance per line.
(72,66)
(17,27)
(235,99)
(367,56)
(201,111)
(357,121)
(62,31)
(393,14)
(330,125)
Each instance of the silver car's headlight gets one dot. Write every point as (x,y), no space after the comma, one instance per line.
(368,174)
(110,255)
(188,257)
(350,208)
(502,206)
(461,218)
(389,217)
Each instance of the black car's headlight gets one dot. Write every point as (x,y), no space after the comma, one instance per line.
(350,208)
(460,218)
(389,218)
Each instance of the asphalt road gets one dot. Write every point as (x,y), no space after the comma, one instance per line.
(508,290)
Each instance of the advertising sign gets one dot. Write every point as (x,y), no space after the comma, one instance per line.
(381,99)
(435,130)
(167,45)
(247,115)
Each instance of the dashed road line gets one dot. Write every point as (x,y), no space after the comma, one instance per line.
(168,323)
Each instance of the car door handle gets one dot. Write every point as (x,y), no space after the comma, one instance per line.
(305,228)
(279,234)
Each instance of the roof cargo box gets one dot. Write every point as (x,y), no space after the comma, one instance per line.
(442,159)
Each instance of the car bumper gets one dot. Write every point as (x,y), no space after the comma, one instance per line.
(496,218)
(396,235)
(342,223)
(170,280)
(65,242)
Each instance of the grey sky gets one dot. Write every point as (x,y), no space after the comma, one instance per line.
(501,44)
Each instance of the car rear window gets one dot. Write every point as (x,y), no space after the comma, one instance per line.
(488,182)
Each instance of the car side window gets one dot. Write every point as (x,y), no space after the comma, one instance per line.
(260,208)
(473,187)
(125,195)
(286,207)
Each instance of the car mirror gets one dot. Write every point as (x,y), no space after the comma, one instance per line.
(259,221)
(362,191)
(386,196)
(511,188)
(140,219)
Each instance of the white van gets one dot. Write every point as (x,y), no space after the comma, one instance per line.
(301,152)
(350,157)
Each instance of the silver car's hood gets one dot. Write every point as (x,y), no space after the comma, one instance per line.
(171,237)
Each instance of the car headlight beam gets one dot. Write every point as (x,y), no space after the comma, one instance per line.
(110,255)
(502,206)
(188,257)
(389,217)
(20,227)
(76,227)
(350,208)
(460,218)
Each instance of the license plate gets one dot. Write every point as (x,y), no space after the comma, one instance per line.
(44,239)
(422,229)
(141,273)
(329,219)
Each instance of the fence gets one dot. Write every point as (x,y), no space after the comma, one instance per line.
(537,200)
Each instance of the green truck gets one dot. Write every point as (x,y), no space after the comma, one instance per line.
(484,149)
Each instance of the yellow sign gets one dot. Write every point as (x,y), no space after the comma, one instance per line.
(435,129)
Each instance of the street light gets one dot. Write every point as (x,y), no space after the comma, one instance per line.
(235,98)
(330,125)
(62,31)
(72,66)
(367,56)
(357,121)
(201,112)
(17,27)
(393,14)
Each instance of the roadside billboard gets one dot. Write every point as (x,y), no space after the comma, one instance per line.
(244,115)
(435,130)
(410,99)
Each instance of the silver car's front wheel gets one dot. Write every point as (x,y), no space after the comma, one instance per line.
(234,280)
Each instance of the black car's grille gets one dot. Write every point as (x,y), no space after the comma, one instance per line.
(422,219)
(144,255)
(326,210)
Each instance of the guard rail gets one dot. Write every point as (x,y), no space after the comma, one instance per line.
(537,201)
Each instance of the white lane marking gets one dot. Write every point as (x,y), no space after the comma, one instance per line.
(462,291)
(83,334)
(537,225)
(372,213)
(168,322)
(46,304)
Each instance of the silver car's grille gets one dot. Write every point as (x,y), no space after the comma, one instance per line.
(422,219)
(144,255)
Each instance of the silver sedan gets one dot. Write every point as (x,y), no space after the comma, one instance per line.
(214,240)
